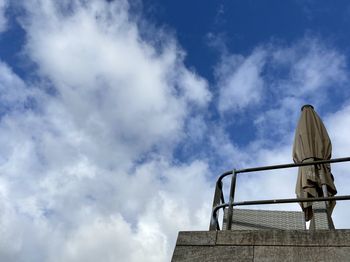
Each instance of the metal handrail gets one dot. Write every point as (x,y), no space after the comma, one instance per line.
(218,201)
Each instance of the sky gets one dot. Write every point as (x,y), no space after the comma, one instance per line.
(116,117)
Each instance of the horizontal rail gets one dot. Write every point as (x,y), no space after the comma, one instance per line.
(290,200)
(335,160)
(263,168)
(282,201)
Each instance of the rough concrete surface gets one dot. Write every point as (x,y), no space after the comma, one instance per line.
(263,245)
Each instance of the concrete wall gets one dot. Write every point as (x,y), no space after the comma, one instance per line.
(263,245)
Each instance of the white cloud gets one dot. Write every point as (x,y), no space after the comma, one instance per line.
(280,118)
(312,66)
(3,19)
(88,161)
(99,64)
(304,70)
(111,239)
(240,81)
(12,89)
(337,125)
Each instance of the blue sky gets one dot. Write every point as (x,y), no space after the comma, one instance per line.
(117,117)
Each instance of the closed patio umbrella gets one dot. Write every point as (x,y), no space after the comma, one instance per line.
(312,143)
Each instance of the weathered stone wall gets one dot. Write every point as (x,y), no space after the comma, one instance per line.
(263,245)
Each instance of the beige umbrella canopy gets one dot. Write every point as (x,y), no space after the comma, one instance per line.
(312,143)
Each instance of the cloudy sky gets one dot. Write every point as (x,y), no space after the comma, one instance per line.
(116,117)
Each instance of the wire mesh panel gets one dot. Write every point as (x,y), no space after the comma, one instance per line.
(250,219)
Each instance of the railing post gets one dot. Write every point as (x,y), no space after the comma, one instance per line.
(214,223)
(232,195)
(216,201)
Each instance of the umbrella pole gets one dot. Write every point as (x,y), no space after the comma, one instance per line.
(324,190)
(325,194)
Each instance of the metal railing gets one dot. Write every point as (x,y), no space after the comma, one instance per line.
(219,201)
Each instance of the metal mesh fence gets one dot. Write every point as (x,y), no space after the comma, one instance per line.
(250,219)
